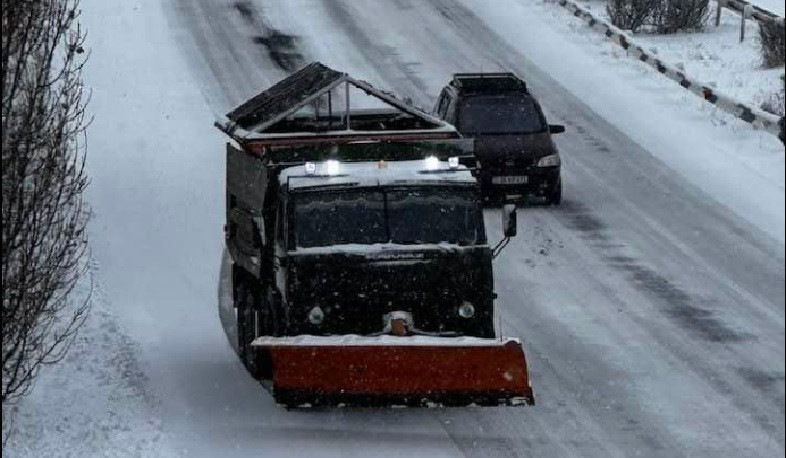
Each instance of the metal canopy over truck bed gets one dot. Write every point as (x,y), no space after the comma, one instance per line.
(299,111)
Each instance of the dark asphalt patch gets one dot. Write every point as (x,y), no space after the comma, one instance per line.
(401,74)
(766,382)
(580,218)
(681,306)
(246,10)
(283,49)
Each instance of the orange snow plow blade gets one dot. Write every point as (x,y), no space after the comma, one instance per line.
(390,370)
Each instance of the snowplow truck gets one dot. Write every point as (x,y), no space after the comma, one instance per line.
(361,272)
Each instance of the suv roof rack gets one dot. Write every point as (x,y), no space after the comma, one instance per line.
(488,82)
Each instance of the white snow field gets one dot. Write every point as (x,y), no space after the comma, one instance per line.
(650,304)
(775,6)
(713,56)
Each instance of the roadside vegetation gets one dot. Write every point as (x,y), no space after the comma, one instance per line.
(45,278)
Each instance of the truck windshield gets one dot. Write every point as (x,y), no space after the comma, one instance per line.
(335,218)
(409,216)
(433,216)
(500,115)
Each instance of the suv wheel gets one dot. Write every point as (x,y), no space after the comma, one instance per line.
(555,197)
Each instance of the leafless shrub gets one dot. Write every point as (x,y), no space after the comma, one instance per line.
(43,178)
(631,14)
(776,102)
(674,16)
(659,16)
(773,47)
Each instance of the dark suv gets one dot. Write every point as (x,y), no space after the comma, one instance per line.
(515,155)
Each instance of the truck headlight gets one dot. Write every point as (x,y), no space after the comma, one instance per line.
(332,167)
(432,163)
(316,316)
(466,310)
(549,161)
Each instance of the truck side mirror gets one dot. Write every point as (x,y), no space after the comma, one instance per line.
(509,220)
(509,226)
(556,128)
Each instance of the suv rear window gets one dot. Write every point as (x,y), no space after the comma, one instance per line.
(504,114)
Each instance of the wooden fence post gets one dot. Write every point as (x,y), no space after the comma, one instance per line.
(718,9)
(747,10)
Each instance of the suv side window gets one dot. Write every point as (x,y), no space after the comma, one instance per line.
(450,110)
(540,113)
(441,104)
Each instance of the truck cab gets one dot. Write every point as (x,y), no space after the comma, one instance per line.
(359,263)
(357,241)
(516,156)
(339,246)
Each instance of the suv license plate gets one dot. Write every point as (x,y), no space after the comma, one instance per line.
(509,180)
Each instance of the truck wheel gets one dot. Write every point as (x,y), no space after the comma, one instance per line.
(247,315)
(270,325)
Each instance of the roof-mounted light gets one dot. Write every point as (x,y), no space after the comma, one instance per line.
(453,162)
(311,168)
(432,163)
(332,166)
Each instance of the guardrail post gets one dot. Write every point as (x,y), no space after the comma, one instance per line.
(747,10)
(718,9)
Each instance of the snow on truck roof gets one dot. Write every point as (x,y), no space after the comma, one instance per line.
(334,173)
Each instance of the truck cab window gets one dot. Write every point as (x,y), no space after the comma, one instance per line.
(332,218)
(443,216)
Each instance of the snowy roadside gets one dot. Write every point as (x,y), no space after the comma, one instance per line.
(93,402)
(774,6)
(741,168)
(714,56)
(149,146)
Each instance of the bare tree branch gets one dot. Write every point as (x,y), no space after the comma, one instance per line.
(45,280)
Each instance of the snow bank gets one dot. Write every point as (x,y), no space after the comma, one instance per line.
(95,401)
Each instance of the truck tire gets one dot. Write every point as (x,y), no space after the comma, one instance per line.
(270,326)
(247,318)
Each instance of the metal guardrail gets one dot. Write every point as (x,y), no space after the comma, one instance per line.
(746,11)
(750,10)
(756,117)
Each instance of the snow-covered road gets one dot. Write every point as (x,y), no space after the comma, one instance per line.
(652,313)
